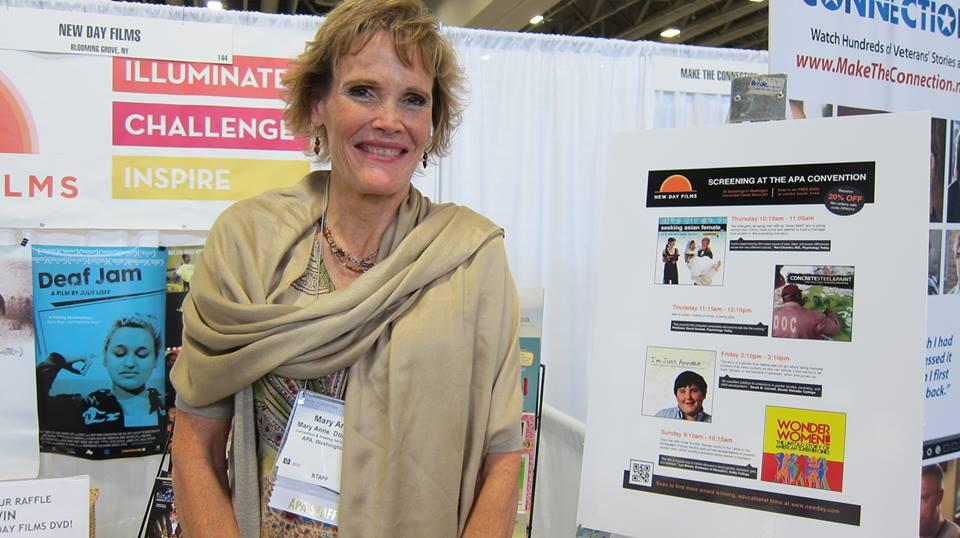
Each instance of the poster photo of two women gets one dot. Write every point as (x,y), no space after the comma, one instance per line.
(691,251)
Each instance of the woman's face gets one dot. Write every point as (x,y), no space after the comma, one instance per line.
(130,357)
(377,116)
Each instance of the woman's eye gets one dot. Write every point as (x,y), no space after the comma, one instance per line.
(119,351)
(143,353)
(416,100)
(360,91)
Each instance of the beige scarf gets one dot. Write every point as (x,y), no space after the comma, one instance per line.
(429,335)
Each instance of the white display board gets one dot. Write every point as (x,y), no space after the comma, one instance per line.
(806,408)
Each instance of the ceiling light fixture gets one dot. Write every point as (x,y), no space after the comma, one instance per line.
(670,32)
(757,1)
(214,4)
(536,19)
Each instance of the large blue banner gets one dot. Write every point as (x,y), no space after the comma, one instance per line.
(100,370)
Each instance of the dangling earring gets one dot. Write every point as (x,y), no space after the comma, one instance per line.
(424,160)
(316,143)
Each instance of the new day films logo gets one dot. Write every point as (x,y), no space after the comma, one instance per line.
(922,15)
(18,134)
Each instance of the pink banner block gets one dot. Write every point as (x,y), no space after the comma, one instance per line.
(247,76)
(199,126)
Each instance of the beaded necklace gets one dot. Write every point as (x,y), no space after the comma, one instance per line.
(351,262)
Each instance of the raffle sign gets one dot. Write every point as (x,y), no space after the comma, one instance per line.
(754,395)
(895,55)
(53,508)
(100,353)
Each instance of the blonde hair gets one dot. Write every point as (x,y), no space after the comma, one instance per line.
(347,29)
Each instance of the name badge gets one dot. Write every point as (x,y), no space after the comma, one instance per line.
(308,465)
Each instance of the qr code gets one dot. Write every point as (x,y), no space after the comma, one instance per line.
(641,473)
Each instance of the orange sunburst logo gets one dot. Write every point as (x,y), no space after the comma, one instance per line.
(676,183)
(17,131)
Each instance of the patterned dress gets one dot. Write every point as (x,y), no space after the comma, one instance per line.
(273,398)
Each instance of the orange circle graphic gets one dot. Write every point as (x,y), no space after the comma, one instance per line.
(676,183)
(17,132)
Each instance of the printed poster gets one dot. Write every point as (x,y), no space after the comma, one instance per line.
(162,520)
(181,263)
(675,381)
(756,401)
(528,456)
(21,459)
(101,385)
(692,249)
(803,448)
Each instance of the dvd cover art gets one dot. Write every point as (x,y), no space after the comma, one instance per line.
(813,302)
(99,339)
(162,521)
(803,447)
(690,251)
(678,384)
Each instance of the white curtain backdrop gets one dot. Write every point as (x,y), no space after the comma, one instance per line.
(674,109)
(531,154)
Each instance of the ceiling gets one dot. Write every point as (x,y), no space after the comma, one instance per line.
(714,23)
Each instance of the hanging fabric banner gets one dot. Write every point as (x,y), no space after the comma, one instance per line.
(151,142)
(892,55)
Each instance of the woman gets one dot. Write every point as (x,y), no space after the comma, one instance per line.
(130,353)
(670,255)
(690,252)
(703,269)
(353,285)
